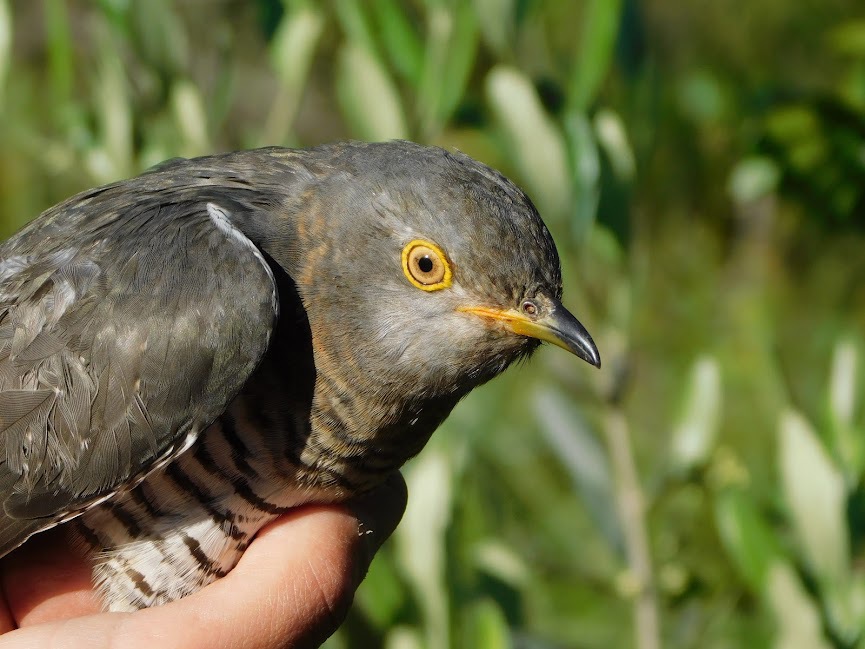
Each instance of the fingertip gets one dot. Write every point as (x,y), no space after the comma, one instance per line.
(379,512)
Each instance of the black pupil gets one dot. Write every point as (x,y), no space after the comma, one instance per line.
(425,264)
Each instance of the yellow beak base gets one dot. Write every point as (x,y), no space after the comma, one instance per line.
(556,326)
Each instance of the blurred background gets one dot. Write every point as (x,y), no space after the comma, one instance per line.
(702,168)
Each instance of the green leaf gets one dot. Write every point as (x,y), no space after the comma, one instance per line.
(112,157)
(367,95)
(486,627)
(585,460)
(586,165)
(293,49)
(797,128)
(356,24)
(816,496)
(843,404)
(814,491)
(843,387)
(161,35)
(695,432)
(403,638)
(61,58)
(797,617)
(613,138)
(381,595)
(404,47)
(452,38)
(535,142)
(191,118)
(460,59)
(747,538)
(420,541)
(497,559)
(496,22)
(600,26)
(702,97)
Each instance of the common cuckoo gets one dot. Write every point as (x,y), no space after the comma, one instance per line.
(186,355)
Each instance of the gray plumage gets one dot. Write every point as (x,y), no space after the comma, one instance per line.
(187,354)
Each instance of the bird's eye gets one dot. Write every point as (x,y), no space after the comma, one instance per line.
(426,266)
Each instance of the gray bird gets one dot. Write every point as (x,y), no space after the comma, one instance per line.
(186,355)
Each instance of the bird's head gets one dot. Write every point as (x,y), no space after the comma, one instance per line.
(425,271)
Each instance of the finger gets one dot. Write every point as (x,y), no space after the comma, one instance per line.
(45,580)
(7,622)
(291,588)
(378,513)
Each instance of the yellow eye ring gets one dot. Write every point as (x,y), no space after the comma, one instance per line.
(426,266)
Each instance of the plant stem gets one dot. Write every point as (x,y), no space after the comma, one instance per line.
(630,502)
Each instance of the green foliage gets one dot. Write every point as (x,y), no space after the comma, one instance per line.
(701,167)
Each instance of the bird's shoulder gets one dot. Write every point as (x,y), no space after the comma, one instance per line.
(130,316)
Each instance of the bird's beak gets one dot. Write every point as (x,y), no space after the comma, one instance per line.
(555,325)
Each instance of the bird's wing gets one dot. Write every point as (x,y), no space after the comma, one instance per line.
(127,324)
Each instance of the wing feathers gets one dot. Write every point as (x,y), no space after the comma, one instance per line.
(22,412)
(113,349)
(18,406)
(45,345)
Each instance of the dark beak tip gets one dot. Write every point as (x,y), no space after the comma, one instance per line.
(589,353)
(575,337)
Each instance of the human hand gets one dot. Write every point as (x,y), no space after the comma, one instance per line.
(292,587)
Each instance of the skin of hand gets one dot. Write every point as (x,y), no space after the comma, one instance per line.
(292,587)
